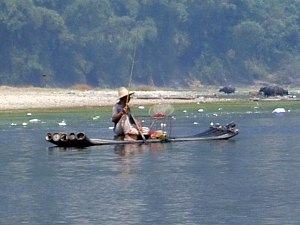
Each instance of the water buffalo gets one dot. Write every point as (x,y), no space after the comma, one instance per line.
(227,89)
(273,91)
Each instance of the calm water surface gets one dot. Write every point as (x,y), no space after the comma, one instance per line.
(250,179)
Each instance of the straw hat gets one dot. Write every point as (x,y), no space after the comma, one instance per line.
(124,92)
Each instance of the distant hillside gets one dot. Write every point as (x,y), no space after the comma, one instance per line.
(178,43)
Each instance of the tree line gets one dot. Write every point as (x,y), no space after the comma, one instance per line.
(178,43)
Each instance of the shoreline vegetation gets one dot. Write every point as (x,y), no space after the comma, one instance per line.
(23,98)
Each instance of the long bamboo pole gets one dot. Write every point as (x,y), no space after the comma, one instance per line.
(129,86)
(132,66)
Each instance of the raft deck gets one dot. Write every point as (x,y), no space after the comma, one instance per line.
(216,132)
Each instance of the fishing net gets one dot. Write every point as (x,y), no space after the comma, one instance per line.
(161,110)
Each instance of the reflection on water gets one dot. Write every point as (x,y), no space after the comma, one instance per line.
(250,179)
(55,150)
(128,153)
(127,149)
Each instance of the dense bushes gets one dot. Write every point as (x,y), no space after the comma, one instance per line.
(92,42)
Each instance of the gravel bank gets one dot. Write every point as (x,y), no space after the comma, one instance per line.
(43,98)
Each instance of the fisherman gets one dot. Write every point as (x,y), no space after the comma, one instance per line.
(124,123)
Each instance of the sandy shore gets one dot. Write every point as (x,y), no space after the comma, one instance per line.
(13,98)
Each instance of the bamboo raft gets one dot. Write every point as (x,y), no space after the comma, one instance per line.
(216,132)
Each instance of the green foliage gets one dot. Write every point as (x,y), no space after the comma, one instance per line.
(247,38)
(256,68)
(209,70)
(92,41)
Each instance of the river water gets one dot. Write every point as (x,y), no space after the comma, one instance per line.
(252,178)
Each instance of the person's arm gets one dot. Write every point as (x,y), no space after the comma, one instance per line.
(116,116)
